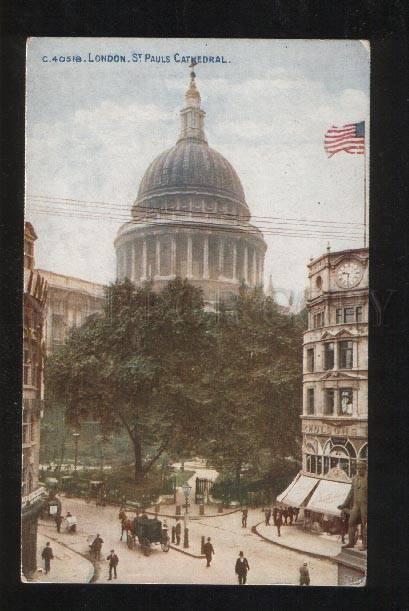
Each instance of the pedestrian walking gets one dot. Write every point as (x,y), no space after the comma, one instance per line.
(344,525)
(123,518)
(275,511)
(304,575)
(113,563)
(244,515)
(279,522)
(173,534)
(47,555)
(290,514)
(267,514)
(208,551)
(241,569)
(178,532)
(58,521)
(96,547)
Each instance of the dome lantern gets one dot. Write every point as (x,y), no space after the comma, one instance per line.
(192,116)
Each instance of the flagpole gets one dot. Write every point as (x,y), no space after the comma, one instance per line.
(365,195)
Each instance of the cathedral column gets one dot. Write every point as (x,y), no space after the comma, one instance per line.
(144,260)
(221,256)
(261,270)
(173,257)
(157,253)
(133,257)
(189,257)
(235,261)
(246,264)
(206,258)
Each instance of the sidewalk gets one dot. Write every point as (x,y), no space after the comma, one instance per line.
(68,566)
(211,511)
(296,539)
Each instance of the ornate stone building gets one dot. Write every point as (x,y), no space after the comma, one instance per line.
(70,301)
(335,383)
(191,219)
(32,495)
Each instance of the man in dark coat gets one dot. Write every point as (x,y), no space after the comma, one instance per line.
(208,551)
(244,515)
(267,514)
(96,547)
(304,575)
(242,566)
(279,521)
(344,525)
(48,555)
(123,519)
(178,532)
(58,521)
(113,563)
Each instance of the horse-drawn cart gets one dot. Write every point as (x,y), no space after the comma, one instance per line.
(148,532)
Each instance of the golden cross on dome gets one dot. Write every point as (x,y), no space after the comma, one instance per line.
(192,65)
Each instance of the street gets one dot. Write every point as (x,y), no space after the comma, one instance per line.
(269,564)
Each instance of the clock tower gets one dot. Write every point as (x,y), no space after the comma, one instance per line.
(335,384)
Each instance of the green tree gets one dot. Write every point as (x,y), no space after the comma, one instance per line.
(254,413)
(138,366)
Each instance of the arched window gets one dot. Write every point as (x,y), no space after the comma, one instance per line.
(363,452)
(313,459)
(340,455)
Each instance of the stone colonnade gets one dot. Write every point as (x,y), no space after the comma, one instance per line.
(193,255)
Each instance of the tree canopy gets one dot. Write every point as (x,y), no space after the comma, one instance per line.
(180,380)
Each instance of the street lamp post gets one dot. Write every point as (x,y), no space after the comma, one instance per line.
(186,491)
(75,435)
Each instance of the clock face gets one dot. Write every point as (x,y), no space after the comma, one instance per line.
(348,275)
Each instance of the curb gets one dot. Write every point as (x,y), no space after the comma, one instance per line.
(195,517)
(293,549)
(92,576)
(183,551)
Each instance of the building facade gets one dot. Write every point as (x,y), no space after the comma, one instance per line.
(70,301)
(335,384)
(191,219)
(32,494)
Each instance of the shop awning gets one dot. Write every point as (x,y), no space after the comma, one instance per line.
(298,491)
(327,496)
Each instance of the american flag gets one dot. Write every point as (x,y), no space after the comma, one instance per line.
(349,138)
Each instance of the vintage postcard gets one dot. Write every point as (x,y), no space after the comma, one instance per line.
(194,402)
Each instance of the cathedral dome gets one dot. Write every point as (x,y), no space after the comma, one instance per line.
(190,218)
(191,163)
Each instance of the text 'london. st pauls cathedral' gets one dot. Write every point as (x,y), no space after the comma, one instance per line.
(191,219)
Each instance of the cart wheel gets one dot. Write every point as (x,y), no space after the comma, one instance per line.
(146,546)
(165,545)
(130,541)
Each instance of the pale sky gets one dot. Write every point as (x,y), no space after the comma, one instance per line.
(93,129)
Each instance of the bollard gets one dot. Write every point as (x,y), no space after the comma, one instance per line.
(201,509)
(202,546)
(220,508)
(178,510)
